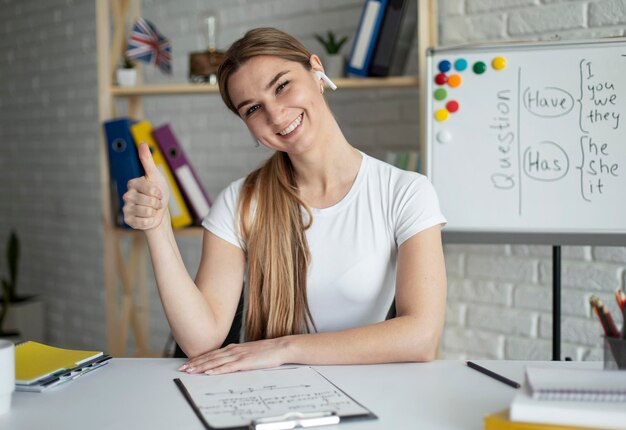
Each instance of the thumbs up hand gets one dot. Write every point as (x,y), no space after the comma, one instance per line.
(145,202)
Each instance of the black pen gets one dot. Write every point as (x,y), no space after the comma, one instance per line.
(494,375)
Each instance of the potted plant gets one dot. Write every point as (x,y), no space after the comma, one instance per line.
(21,317)
(333,60)
(126,74)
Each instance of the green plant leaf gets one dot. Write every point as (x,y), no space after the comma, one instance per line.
(330,42)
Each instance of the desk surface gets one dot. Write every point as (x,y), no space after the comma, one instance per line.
(140,394)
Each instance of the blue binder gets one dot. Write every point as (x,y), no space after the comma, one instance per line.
(123,162)
(366,37)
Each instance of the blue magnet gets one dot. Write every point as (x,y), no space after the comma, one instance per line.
(460,64)
(444,66)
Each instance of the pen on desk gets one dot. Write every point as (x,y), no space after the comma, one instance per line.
(494,375)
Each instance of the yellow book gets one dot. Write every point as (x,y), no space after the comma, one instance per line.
(500,421)
(142,132)
(35,361)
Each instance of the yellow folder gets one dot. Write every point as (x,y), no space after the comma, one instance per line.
(142,132)
(35,361)
(500,421)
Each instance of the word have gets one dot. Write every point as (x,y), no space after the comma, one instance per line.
(548,102)
(603,97)
(504,179)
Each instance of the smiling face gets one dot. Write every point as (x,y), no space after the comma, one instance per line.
(280,101)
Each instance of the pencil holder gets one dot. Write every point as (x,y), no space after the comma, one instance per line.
(614,353)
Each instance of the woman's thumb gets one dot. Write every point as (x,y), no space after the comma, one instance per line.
(145,156)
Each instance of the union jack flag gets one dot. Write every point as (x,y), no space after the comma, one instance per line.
(146,44)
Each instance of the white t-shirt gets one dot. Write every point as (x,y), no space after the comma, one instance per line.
(353,244)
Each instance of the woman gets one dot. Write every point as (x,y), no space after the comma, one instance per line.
(325,235)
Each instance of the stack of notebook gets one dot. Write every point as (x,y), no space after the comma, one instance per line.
(39,367)
(553,398)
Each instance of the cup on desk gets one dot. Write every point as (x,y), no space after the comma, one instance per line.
(7,374)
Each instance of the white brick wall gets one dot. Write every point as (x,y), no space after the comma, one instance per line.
(499,298)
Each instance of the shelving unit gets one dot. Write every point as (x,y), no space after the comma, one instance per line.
(127,305)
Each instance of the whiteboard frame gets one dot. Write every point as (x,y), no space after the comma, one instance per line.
(538,237)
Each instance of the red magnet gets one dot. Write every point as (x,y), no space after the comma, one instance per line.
(441,79)
(452,106)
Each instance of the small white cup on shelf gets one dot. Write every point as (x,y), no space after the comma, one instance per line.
(7,374)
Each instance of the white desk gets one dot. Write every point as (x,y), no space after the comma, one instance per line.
(140,394)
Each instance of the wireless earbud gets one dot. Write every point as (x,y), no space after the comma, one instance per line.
(321,75)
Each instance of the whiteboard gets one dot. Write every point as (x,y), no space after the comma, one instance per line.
(535,147)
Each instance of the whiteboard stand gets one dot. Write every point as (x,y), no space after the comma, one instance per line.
(556,303)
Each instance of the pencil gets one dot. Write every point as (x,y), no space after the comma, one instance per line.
(494,375)
(620,297)
(614,332)
(593,300)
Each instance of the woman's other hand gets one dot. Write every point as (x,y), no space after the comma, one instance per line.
(261,354)
(145,202)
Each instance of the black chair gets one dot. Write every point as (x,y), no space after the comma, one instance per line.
(233,334)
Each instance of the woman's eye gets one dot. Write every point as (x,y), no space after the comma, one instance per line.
(251,110)
(282,86)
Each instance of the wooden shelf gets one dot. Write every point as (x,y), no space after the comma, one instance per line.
(188,88)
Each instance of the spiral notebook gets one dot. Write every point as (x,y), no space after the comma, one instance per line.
(576,384)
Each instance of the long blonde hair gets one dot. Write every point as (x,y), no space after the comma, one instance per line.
(270,212)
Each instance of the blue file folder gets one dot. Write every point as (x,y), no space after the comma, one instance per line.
(366,37)
(123,162)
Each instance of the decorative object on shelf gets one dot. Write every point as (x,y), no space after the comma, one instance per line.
(148,45)
(20,316)
(126,74)
(203,65)
(333,60)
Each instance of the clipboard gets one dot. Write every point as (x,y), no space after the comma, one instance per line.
(272,399)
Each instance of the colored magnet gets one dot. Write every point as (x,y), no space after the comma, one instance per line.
(440,94)
(441,114)
(454,80)
(460,64)
(479,67)
(444,66)
(444,136)
(452,106)
(499,63)
(441,79)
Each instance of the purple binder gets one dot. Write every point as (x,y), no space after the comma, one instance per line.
(194,194)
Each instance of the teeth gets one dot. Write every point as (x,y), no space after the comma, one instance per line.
(292,126)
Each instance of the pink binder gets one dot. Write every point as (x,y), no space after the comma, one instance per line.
(191,188)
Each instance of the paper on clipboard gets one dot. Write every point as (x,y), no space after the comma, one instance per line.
(240,399)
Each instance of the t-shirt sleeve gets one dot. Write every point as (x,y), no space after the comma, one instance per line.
(221,220)
(417,209)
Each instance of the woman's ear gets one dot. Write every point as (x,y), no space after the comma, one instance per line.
(316,64)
